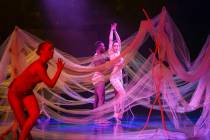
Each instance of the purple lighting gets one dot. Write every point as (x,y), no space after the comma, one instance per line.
(69,24)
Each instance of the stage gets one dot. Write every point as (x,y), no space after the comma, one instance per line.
(129,129)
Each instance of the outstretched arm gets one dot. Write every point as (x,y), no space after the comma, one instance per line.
(44,76)
(117,36)
(113,27)
(121,61)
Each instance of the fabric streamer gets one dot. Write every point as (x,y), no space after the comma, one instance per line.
(178,84)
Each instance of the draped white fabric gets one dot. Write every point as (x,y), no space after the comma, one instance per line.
(184,85)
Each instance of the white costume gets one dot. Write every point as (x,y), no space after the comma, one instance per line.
(116,78)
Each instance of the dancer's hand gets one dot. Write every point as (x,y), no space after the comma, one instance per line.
(113,26)
(60,64)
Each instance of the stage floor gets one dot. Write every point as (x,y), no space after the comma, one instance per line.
(128,129)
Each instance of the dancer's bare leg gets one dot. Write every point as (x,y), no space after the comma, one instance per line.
(100,93)
(100,96)
(120,92)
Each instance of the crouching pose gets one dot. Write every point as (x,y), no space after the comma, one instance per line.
(20,92)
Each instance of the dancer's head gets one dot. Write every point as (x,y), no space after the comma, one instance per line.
(100,47)
(116,46)
(45,50)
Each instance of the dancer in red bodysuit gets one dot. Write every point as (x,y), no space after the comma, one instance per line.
(20,93)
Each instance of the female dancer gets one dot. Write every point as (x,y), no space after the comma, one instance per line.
(116,74)
(20,92)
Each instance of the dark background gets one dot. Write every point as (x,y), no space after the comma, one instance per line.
(74,25)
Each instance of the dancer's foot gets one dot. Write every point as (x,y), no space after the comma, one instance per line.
(118,117)
(118,121)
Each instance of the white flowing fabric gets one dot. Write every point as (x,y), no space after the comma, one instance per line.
(183,83)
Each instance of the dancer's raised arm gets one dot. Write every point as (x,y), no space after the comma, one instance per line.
(117,35)
(113,27)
